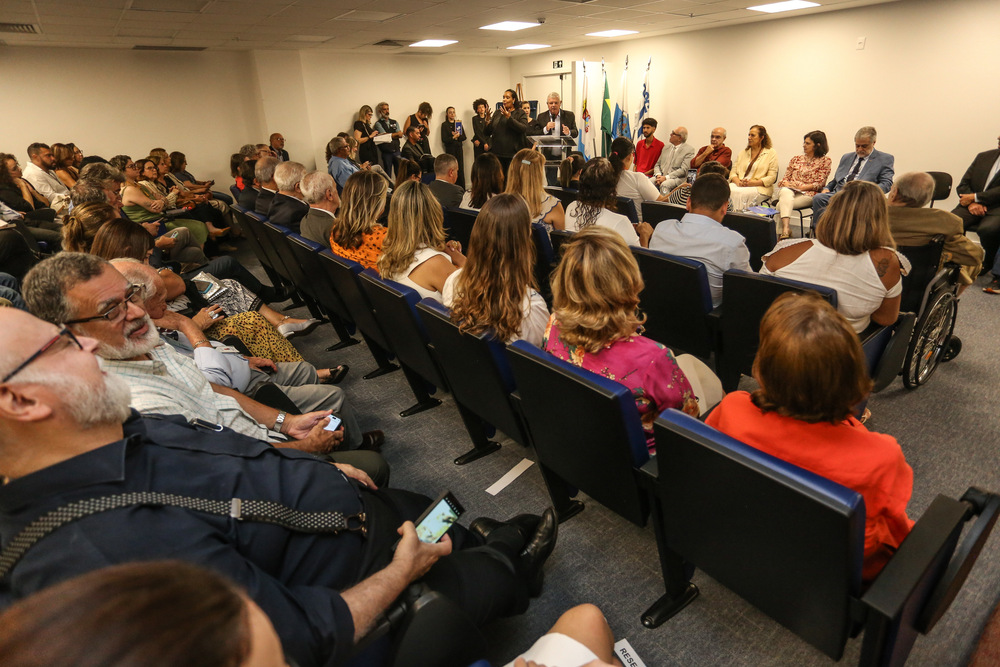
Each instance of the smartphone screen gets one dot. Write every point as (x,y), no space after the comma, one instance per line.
(334,423)
(436,521)
(692,174)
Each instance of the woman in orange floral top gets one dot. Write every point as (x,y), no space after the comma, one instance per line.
(806,175)
(356,234)
(594,325)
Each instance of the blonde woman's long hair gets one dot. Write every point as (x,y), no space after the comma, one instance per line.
(361,204)
(499,270)
(856,220)
(416,221)
(595,290)
(81,226)
(526,177)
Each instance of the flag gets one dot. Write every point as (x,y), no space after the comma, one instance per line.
(645,103)
(621,128)
(606,127)
(585,115)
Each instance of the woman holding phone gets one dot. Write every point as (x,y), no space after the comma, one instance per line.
(508,128)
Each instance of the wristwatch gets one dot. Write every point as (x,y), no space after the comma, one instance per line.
(279,420)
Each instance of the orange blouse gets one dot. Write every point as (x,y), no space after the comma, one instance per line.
(846,453)
(368,252)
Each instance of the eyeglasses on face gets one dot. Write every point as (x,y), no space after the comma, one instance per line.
(64,334)
(116,312)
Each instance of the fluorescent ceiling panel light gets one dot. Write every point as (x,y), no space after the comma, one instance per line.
(612,33)
(510,25)
(528,47)
(787,6)
(435,42)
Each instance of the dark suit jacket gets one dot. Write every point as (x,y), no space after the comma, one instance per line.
(416,153)
(287,211)
(449,194)
(878,170)
(565,117)
(263,203)
(508,133)
(316,226)
(248,198)
(974,181)
(282,154)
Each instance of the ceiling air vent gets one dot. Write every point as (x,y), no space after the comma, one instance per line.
(390,43)
(20,28)
(151,47)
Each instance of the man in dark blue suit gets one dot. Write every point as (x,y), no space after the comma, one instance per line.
(864,164)
(979,204)
(287,208)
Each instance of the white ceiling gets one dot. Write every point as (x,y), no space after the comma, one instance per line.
(353,25)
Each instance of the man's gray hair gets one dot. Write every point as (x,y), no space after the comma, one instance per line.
(914,189)
(46,285)
(444,163)
(553,96)
(136,273)
(683,131)
(867,132)
(314,186)
(102,171)
(287,174)
(88,191)
(248,151)
(264,169)
(380,105)
(337,144)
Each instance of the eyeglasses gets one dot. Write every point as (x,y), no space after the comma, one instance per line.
(64,334)
(130,165)
(716,136)
(117,311)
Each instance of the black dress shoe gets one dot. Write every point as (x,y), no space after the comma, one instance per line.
(372,441)
(525,524)
(483,526)
(538,549)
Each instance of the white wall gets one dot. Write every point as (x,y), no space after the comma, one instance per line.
(926,80)
(112,101)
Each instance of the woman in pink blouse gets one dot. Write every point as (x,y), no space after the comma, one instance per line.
(806,175)
(595,325)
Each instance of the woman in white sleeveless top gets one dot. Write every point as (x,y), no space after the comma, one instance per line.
(414,252)
(853,252)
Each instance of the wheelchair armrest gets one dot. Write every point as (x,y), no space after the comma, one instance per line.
(899,593)
(891,361)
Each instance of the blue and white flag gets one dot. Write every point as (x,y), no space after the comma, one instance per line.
(585,116)
(621,127)
(645,103)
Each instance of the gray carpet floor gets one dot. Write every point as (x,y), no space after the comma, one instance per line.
(948,431)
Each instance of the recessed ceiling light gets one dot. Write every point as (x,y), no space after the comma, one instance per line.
(612,33)
(509,25)
(528,47)
(787,6)
(435,42)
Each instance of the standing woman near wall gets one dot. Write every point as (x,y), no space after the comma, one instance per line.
(452,136)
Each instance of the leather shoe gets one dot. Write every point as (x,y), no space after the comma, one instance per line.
(538,549)
(276,294)
(337,373)
(483,526)
(372,441)
(525,524)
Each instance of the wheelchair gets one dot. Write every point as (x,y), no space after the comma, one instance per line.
(932,293)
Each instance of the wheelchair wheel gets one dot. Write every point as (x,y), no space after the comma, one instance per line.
(930,339)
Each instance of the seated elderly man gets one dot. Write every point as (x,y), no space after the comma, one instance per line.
(341,166)
(287,208)
(263,172)
(320,192)
(315,546)
(87,293)
(914,225)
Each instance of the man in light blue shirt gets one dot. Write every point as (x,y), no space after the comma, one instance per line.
(700,236)
(340,165)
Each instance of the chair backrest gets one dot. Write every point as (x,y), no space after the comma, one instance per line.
(625,206)
(552,174)
(343,273)
(278,238)
(477,369)
(942,185)
(786,540)
(596,442)
(236,191)
(458,224)
(254,222)
(745,298)
(655,212)
(544,259)
(559,238)
(924,261)
(759,233)
(676,301)
(319,285)
(565,195)
(395,308)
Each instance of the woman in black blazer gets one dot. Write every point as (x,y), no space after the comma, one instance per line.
(508,127)
(452,136)
(480,133)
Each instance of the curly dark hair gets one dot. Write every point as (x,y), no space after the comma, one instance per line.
(598,190)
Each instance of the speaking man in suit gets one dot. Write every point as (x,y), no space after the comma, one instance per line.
(555,122)
(864,164)
(979,200)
